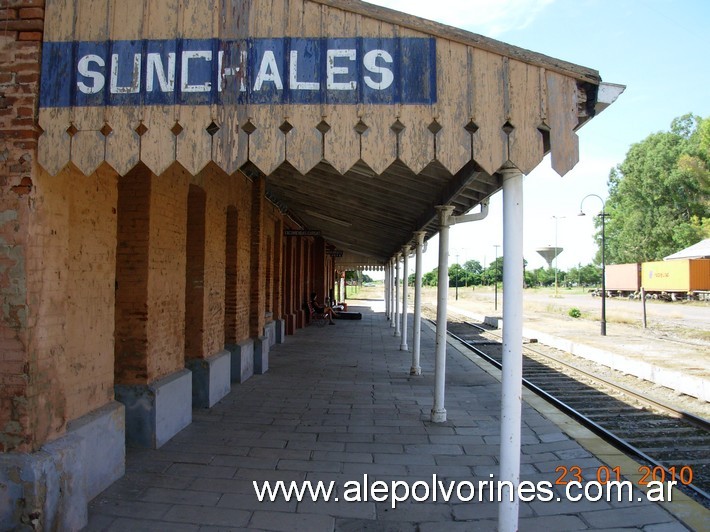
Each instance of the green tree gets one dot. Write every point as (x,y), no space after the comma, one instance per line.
(431,278)
(473,266)
(457,275)
(494,271)
(543,277)
(472,271)
(359,277)
(530,278)
(659,197)
(591,275)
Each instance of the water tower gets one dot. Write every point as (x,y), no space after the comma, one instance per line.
(549,253)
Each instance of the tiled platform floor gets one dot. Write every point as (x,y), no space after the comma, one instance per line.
(338,404)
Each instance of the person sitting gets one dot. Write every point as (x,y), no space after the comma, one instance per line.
(322,309)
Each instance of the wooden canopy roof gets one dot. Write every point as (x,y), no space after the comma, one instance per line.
(368,171)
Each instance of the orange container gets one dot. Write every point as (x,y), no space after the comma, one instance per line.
(682,275)
(623,277)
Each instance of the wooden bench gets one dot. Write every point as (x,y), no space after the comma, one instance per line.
(318,318)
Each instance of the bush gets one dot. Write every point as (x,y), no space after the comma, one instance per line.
(574,312)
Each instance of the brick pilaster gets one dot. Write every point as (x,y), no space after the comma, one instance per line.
(21,27)
(258,286)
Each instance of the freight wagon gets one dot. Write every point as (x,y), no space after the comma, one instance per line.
(666,279)
(623,280)
(686,278)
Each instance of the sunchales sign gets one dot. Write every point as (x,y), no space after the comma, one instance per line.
(254,71)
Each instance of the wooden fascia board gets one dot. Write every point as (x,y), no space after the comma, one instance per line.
(444,31)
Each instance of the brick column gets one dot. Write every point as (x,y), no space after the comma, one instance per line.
(55,308)
(258,288)
(257,318)
(278,258)
(24,424)
(300,281)
(289,272)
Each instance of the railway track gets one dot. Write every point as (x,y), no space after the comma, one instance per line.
(671,442)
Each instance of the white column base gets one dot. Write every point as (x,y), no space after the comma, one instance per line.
(438,416)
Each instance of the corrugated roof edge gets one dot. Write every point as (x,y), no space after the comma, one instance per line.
(444,31)
(700,250)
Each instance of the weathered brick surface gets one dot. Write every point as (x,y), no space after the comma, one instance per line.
(17,4)
(272,261)
(131,313)
(87,368)
(195,289)
(25,417)
(153,266)
(8,14)
(93,269)
(239,191)
(223,318)
(277,267)
(218,200)
(258,284)
(231,260)
(31,13)
(166,273)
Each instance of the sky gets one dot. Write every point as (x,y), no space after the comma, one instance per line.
(659,49)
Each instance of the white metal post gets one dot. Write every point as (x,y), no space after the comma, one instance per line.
(416,347)
(397,331)
(511,404)
(438,412)
(387,293)
(405,292)
(391,294)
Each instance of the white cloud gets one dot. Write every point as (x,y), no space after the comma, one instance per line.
(487,17)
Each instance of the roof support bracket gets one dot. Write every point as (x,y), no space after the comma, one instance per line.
(473,217)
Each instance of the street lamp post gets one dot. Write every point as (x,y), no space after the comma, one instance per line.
(603,216)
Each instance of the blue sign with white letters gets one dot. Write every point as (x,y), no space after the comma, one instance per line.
(290,70)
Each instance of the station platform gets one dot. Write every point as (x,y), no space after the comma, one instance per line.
(338,405)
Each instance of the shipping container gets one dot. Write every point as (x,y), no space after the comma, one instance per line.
(623,278)
(681,275)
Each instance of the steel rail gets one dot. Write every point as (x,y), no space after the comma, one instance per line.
(597,429)
(669,409)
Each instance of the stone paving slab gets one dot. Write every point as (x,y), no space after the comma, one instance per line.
(338,405)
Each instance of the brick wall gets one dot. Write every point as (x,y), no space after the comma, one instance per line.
(272,253)
(222,319)
(240,194)
(21,26)
(69,241)
(195,283)
(166,266)
(131,313)
(156,256)
(279,257)
(87,367)
(231,257)
(218,199)
(257,259)
(60,365)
